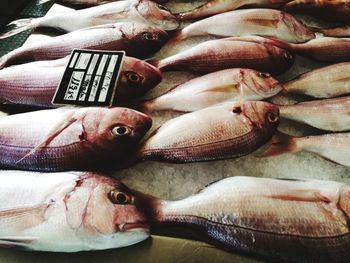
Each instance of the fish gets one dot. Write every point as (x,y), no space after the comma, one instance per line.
(219,87)
(343,31)
(325,49)
(83,210)
(219,54)
(327,114)
(331,10)
(35,83)
(326,82)
(287,220)
(333,147)
(263,22)
(138,11)
(224,131)
(120,36)
(214,7)
(70,138)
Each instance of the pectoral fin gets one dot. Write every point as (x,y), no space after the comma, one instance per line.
(21,218)
(303,195)
(53,133)
(16,241)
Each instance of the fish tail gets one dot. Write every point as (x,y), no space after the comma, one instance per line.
(4,61)
(281,143)
(153,62)
(19,26)
(146,106)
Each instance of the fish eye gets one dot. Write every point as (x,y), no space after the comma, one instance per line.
(149,36)
(264,75)
(121,130)
(272,117)
(162,7)
(133,77)
(237,110)
(118,198)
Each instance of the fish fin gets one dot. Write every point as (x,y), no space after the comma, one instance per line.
(107,18)
(223,88)
(281,143)
(21,218)
(19,26)
(55,131)
(304,195)
(16,241)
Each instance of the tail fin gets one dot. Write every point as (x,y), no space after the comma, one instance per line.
(153,62)
(3,61)
(18,27)
(281,143)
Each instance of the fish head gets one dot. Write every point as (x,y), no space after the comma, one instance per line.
(261,83)
(283,59)
(158,15)
(104,213)
(296,28)
(149,38)
(118,129)
(137,78)
(263,115)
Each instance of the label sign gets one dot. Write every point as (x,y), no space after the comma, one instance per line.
(90,78)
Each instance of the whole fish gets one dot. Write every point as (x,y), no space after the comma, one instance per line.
(68,212)
(35,83)
(328,114)
(70,139)
(263,22)
(334,147)
(343,31)
(214,7)
(139,11)
(219,54)
(325,82)
(222,86)
(328,49)
(220,132)
(121,36)
(284,220)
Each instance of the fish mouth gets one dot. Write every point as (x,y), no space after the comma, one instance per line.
(134,226)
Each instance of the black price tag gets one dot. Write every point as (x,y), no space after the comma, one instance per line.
(90,78)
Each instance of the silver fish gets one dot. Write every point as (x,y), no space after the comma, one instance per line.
(121,36)
(325,82)
(139,11)
(333,147)
(220,132)
(214,7)
(35,83)
(285,220)
(328,114)
(70,139)
(222,86)
(215,55)
(84,211)
(263,22)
